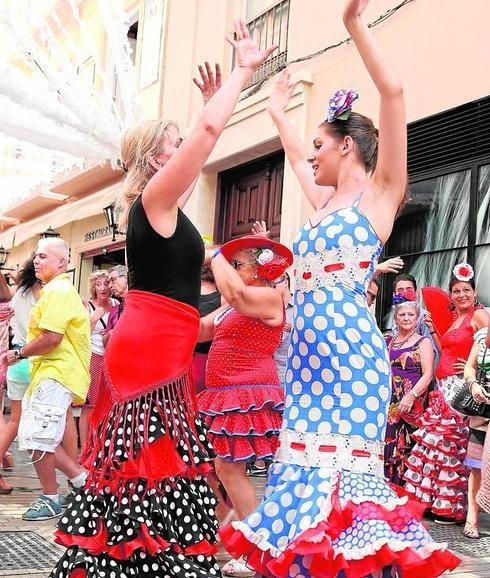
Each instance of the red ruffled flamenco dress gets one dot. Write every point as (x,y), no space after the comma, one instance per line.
(436,473)
(243,401)
(146,509)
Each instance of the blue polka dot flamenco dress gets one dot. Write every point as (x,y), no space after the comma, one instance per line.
(328,510)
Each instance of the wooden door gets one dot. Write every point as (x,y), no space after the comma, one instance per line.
(249,193)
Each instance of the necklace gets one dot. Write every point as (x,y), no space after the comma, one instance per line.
(399,345)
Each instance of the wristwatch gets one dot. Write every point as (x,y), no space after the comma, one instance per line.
(18,354)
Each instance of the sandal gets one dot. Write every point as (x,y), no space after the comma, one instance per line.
(237,569)
(471,532)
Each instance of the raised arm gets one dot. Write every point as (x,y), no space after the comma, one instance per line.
(390,175)
(162,192)
(294,148)
(209,84)
(263,303)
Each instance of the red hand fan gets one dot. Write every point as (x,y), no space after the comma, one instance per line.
(438,302)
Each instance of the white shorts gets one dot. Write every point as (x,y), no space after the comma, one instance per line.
(43,419)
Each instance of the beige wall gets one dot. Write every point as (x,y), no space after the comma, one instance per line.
(440,51)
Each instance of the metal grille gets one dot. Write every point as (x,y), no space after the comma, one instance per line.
(460,545)
(270,27)
(26,550)
(453,136)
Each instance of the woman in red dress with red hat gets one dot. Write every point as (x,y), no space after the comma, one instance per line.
(243,401)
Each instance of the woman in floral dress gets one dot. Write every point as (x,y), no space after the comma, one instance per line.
(412,360)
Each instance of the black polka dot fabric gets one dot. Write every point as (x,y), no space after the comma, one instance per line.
(118,527)
(167,564)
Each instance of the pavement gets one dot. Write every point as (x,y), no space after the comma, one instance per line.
(36,551)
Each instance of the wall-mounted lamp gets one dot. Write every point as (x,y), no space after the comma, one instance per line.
(110,217)
(49,233)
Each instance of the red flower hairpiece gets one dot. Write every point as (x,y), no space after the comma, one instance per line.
(463,272)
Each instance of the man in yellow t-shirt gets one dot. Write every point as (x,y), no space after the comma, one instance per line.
(58,347)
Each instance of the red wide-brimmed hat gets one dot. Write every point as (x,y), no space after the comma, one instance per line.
(269,266)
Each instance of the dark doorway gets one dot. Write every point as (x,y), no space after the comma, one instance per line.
(248,193)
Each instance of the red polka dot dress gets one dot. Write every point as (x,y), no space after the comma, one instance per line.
(243,401)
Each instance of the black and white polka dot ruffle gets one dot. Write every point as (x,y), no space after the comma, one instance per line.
(166,564)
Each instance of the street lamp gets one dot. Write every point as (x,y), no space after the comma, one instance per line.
(49,233)
(111,220)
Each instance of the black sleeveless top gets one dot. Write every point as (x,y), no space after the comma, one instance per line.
(168,266)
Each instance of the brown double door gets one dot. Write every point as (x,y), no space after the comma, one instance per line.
(251,192)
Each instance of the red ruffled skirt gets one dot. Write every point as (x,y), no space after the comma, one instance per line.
(436,473)
(243,421)
(146,509)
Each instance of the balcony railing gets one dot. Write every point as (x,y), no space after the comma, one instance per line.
(271,27)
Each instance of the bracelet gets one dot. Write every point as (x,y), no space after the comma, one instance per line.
(415,395)
(217,252)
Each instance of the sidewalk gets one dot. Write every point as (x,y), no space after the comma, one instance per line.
(36,551)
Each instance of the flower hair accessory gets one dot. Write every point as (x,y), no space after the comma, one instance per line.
(265,256)
(463,272)
(409,296)
(273,268)
(340,105)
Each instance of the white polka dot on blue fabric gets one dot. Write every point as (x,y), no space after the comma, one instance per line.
(361,234)
(327,402)
(305,400)
(271,509)
(356,361)
(346,400)
(314,361)
(319,297)
(297,387)
(327,375)
(371,376)
(320,323)
(314,414)
(310,336)
(359,388)
(302,247)
(323,349)
(346,241)
(345,427)
(333,230)
(317,388)
(320,244)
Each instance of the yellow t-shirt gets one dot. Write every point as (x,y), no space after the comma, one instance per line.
(60,309)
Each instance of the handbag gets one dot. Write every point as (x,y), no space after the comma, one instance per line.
(463,401)
(413,416)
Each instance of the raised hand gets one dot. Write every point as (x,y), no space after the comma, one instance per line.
(283,89)
(248,54)
(259,228)
(354,8)
(210,81)
(392,265)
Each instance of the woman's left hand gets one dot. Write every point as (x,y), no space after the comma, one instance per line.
(406,403)
(478,393)
(211,82)
(248,54)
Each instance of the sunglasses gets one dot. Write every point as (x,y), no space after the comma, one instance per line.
(237,264)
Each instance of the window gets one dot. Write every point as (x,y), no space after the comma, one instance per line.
(270,27)
(447,218)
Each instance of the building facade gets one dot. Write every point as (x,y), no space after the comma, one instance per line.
(435,46)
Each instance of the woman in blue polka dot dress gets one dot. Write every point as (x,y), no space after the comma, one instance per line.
(328,511)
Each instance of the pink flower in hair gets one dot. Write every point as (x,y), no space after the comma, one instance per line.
(463,272)
(340,105)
